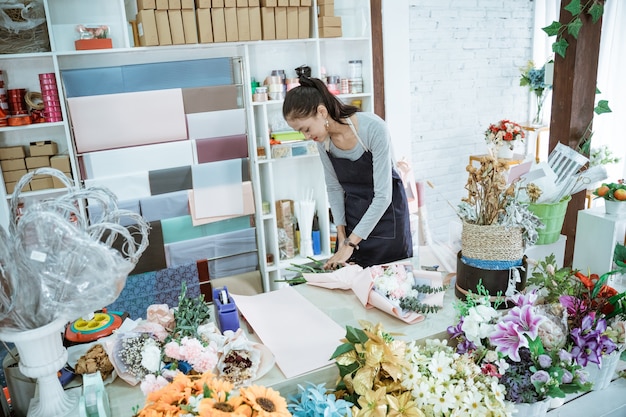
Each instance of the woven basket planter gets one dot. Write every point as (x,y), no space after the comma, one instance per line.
(492,243)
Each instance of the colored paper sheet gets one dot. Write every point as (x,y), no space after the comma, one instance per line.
(213,98)
(218,188)
(221,148)
(248,206)
(301,337)
(164,206)
(170,180)
(125,187)
(233,265)
(216,123)
(181,228)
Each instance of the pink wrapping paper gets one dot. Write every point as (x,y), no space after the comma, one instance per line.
(361,282)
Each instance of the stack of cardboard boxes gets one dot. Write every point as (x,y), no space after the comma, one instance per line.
(329,25)
(15,164)
(175,22)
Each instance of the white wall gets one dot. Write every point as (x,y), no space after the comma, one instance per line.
(465,58)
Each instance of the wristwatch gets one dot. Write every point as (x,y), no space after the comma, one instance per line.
(349,243)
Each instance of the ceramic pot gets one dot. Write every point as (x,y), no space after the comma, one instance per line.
(614,207)
(602,376)
(505,151)
(538,409)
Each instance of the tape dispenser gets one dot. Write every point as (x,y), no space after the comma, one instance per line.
(225,310)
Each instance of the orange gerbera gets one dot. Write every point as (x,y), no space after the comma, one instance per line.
(265,402)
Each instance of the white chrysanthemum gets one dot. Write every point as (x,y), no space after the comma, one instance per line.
(151,356)
(443,401)
(473,400)
(439,366)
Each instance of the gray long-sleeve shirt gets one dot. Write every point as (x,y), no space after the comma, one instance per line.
(374,135)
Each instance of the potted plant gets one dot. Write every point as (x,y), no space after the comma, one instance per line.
(614,196)
(503,136)
(497,227)
(534,78)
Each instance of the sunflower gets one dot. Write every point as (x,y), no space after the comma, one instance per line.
(224,407)
(265,402)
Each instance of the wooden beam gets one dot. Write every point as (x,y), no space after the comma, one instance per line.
(378,62)
(573,101)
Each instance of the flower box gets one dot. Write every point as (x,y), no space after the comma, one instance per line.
(87,44)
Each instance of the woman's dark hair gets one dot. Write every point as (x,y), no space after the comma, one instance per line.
(302,101)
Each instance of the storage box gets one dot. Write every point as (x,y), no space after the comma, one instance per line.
(205,26)
(217,4)
(146,26)
(190,25)
(304,19)
(176,27)
(283,3)
(294,3)
(219,25)
(162,4)
(256,31)
(307,3)
(41,184)
(37,162)
(320,2)
(326,10)
(10,187)
(330,32)
(242,3)
(12,152)
(163,27)
(187,5)
(269,3)
(292,23)
(329,21)
(203,4)
(230,19)
(254,3)
(280,18)
(146,4)
(87,44)
(61,162)
(174,4)
(12,164)
(243,23)
(14,176)
(57,183)
(268,23)
(43,148)
(230,3)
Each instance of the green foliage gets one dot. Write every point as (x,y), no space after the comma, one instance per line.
(481,297)
(555,282)
(593,8)
(190,313)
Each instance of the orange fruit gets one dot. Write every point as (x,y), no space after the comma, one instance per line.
(601,191)
(620,194)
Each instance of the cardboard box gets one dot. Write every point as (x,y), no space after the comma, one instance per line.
(329,21)
(174,5)
(146,26)
(280,18)
(162,4)
(203,4)
(37,162)
(307,3)
(320,2)
(57,183)
(41,184)
(61,162)
(269,3)
(326,10)
(205,26)
(285,215)
(243,23)
(14,176)
(219,25)
(230,3)
(254,3)
(282,3)
(176,27)
(187,5)
(242,3)
(330,32)
(217,4)
(10,187)
(304,22)
(146,4)
(190,25)
(163,27)
(87,44)
(230,19)
(256,31)
(268,23)
(295,3)
(292,23)
(12,152)
(12,164)
(43,148)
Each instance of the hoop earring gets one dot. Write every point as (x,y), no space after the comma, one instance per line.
(326,125)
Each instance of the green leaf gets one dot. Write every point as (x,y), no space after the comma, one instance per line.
(619,255)
(535,346)
(341,349)
(602,107)
(553,29)
(596,11)
(574,7)
(573,28)
(355,335)
(559,47)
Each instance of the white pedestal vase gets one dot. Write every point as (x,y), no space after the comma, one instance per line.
(602,377)
(538,409)
(41,356)
(505,152)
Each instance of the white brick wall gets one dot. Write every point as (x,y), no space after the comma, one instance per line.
(465,60)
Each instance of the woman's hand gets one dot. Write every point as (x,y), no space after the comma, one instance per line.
(340,258)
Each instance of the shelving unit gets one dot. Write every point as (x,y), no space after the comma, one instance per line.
(258,59)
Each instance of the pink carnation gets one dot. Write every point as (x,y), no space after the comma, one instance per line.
(205,361)
(152,383)
(172,350)
(190,348)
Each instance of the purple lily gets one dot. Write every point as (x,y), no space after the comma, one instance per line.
(520,299)
(526,319)
(572,304)
(508,339)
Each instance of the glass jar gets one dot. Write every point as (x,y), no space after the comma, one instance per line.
(356,68)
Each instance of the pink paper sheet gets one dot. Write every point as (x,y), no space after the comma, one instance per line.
(301,337)
(360,281)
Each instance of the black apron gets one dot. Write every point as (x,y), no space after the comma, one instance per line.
(391,238)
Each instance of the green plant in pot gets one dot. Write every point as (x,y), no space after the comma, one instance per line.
(614,196)
(497,227)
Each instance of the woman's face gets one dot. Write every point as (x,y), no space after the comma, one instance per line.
(313,128)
